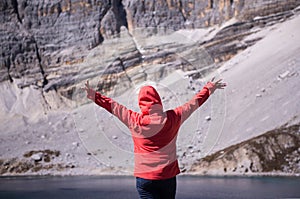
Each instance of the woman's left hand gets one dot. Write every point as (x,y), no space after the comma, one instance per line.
(90,92)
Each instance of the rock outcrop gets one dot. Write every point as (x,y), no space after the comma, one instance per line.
(277,151)
(33,161)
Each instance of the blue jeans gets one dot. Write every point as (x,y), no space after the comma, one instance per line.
(156,189)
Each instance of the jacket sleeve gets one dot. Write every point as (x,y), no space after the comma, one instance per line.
(121,112)
(188,108)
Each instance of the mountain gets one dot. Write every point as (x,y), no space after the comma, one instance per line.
(49,48)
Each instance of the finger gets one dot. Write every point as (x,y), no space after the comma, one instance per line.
(221,85)
(212,80)
(217,82)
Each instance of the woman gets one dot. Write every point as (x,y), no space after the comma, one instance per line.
(154,133)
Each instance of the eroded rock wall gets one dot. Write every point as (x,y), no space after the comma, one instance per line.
(38,37)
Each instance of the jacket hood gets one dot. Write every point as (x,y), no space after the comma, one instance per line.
(149,100)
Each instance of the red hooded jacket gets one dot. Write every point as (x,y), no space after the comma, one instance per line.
(154,131)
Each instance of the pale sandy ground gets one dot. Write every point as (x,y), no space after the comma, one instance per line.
(263,85)
(263,93)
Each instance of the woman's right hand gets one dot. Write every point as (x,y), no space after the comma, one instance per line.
(214,85)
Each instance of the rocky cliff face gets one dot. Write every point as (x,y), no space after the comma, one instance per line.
(178,14)
(39,37)
(275,151)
